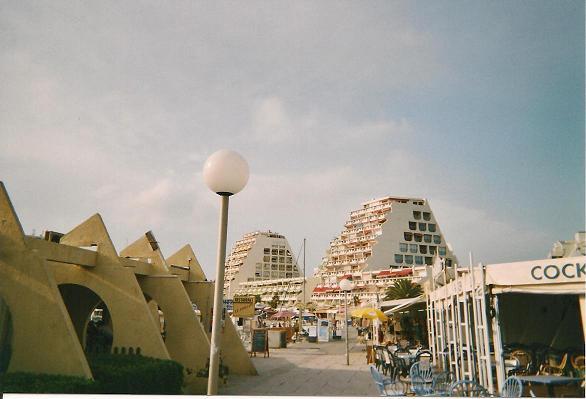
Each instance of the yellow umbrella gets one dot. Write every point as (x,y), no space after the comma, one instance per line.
(369,313)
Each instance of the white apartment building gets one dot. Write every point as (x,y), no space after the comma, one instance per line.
(258,256)
(382,241)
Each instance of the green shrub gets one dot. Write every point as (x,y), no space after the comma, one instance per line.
(136,374)
(119,374)
(45,383)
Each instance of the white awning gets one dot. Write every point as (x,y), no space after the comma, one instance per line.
(406,303)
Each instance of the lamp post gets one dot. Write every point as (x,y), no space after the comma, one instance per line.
(225,172)
(346,285)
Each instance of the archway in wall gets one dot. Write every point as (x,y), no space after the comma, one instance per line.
(5,336)
(158,315)
(90,317)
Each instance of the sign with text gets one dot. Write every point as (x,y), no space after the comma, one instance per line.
(243,306)
(544,271)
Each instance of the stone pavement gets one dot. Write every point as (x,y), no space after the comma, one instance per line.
(307,369)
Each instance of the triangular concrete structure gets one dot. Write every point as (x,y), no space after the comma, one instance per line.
(186,257)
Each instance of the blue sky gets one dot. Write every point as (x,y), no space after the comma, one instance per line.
(112,107)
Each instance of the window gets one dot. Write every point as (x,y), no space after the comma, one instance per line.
(418,260)
(274,267)
(409,259)
(418,237)
(442,251)
(398,258)
(431,227)
(259,266)
(288,275)
(448,262)
(403,247)
(437,239)
(289,260)
(417,215)
(422,226)
(423,249)
(274,259)
(274,252)
(267,251)
(432,249)
(427,237)
(257,274)
(282,267)
(412,225)
(281,259)
(266,258)
(266,274)
(281,252)
(289,268)
(413,248)
(408,236)
(426,216)
(428,260)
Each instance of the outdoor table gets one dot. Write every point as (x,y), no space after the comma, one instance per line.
(549,380)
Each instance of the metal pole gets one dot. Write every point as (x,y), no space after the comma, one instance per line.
(346,325)
(304,303)
(218,300)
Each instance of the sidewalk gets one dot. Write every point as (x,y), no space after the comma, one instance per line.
(307,369)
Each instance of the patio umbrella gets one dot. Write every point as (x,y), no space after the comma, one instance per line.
(369,313)
(283,314)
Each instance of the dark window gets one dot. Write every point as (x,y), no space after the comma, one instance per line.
(412,225)
(267,251)
(418,237)
(426,216)
(422,226)
(448,262)
(432,249)
(418,260)
(427,237)
(408,236)
(442,251)
(423,249)
(413,248)
(431,227)
(437,239)
(417,215)
(409,259)
(428,260)
(398,258)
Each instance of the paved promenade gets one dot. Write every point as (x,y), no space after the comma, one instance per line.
(307,369)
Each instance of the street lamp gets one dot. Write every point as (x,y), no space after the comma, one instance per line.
(346,285)
(225,172)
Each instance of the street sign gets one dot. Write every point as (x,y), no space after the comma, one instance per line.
(243,306)
(228,305)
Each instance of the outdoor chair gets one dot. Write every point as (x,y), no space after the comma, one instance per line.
(387,386)
(400,364)
(378,357)
(441,383)
(468,389)
(512,388)
(423,354)
(554,369)
(524,359)
(421,378)
(578,364)
(389,366)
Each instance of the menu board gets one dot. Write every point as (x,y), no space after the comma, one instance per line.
(260,342)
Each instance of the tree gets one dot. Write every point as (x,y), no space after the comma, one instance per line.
(403,288)
(274,302)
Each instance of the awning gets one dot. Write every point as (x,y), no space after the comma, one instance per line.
(407,302)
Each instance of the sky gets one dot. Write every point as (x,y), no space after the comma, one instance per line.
(113,107)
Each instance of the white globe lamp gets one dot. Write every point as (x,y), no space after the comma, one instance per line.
(225,172)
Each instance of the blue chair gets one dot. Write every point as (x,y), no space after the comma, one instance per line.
(421,378)
(387,386)
(468,389)
(441,383)
(512,388)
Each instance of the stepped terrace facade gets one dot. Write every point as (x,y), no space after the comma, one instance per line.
(259,256)
(384,240)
